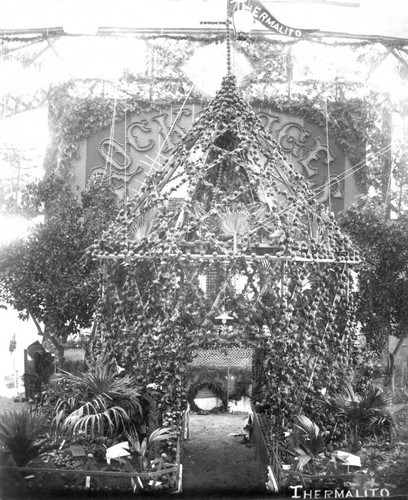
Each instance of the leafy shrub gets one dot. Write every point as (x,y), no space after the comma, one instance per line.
(142,448)
(307,441)
(367,414)
(98,403)
(20,433)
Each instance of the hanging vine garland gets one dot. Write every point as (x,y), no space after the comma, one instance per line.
(75,114)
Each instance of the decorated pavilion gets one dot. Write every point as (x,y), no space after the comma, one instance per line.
(225,246)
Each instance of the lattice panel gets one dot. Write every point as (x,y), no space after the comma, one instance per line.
(234,356)
(213,282)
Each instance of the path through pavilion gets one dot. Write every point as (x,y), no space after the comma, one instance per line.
(218,464)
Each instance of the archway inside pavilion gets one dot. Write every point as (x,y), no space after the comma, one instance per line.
(220,380)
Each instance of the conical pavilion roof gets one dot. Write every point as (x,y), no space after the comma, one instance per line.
(226,190)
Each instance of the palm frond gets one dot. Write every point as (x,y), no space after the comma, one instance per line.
(309,438)
(163,433)
(133,437)
(365,413)
(376,398)
(303,459)
(115,399)
(234,222)
(143,225)
(94,418)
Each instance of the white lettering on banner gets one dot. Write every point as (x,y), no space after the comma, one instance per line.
(265,17)
(255,12)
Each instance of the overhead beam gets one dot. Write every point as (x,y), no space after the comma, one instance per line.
(207,31)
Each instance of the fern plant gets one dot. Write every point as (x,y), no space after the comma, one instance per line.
(20,433)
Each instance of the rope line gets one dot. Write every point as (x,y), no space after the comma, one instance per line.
(159,153)
(326,112)
(109,156)
(347,173)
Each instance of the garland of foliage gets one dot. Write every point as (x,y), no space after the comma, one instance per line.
(74,119)
(348,123)
(76,113)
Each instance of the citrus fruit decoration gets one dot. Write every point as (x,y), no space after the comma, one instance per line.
(227,225)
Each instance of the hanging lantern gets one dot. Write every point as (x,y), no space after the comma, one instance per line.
(224,318)
(243,20)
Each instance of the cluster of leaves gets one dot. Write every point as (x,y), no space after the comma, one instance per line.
(355,418)
(145,448)
(148,327)
(390,462)
(309,324)
(45,275)
(365,414)
(308,442)
(20,432)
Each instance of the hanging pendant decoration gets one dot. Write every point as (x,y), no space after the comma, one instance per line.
(261,14)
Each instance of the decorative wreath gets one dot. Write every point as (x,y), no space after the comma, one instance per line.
(215,387)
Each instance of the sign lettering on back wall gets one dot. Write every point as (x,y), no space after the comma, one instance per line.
(142,142)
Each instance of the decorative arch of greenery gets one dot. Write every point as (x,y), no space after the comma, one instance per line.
(214,387)
(283,267)
(199,376)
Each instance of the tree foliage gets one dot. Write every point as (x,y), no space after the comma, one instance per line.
(383,278)
(45,275)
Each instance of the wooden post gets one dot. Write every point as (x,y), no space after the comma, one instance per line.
(387,161)
(25,374)
(228,381)
(283,273)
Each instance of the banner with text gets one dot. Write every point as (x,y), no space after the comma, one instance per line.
(261,14)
